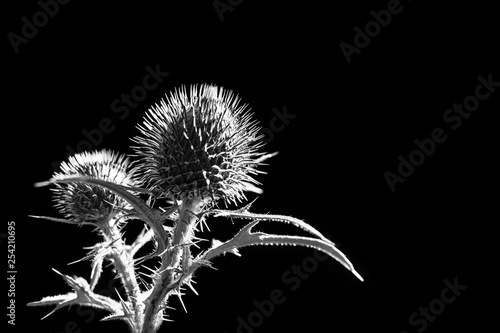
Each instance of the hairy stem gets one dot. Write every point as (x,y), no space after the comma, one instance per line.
(122,257)
(171,264)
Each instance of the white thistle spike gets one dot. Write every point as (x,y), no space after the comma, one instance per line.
(164,317)
(189,283)
(179,294)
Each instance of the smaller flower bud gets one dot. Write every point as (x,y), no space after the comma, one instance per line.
(83,202)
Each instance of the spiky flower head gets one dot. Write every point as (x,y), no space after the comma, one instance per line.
(200,143)
(83,202)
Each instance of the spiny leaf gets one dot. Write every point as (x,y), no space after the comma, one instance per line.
(82,295)
(247,238)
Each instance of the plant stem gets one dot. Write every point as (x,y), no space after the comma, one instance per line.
(171,264)
(123,261)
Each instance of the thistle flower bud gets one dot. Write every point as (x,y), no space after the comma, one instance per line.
(83,202)
(200,144)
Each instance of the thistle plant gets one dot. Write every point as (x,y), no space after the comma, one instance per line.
(197,151)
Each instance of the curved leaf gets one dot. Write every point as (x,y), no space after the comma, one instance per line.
(247,238)
(147,214)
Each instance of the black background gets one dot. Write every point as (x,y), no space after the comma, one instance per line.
(351,123)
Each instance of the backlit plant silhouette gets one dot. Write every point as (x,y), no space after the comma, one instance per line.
(196,150)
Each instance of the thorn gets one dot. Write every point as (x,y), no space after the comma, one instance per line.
(140,260)
(164,317)
(55,219)
(81,259)
(179,295)
(145,274)
(51,312)
(188,283)
(141,280)
(41,184)
(125,307)
(195,241)
(163,252)
(246,208)
(356,274)
(151,270)
(265,157)
(201,222)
